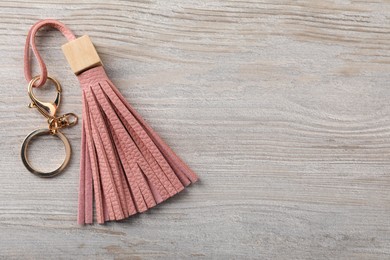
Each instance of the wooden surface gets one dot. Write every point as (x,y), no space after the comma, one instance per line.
(281,107)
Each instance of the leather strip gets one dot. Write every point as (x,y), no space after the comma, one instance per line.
(30,41)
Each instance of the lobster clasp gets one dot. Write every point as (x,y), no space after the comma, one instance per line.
(47,109)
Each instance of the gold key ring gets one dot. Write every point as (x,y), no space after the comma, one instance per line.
(37,133)
(49,110)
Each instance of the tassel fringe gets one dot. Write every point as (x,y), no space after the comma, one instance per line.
(126,167)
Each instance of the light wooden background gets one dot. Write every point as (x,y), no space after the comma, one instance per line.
(281,107)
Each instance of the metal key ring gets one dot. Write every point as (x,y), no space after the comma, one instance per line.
(26,162)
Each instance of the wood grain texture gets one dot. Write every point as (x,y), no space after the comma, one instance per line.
(281,107)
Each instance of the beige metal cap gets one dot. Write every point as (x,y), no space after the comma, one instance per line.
(81,54)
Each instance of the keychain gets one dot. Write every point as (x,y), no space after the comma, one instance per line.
(125,166)
(55,123)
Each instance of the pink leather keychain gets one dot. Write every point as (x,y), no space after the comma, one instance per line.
(125,167)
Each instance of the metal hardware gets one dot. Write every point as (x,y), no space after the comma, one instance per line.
(48,110)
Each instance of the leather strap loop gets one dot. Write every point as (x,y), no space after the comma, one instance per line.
(30,41)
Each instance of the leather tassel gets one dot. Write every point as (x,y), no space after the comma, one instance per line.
(125,167)
(128,165)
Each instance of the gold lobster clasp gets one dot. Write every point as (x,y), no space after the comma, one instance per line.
(49,109)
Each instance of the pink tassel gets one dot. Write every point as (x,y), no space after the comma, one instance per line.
(125,166)
(128,165)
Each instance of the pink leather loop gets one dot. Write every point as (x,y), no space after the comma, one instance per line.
(31,41)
